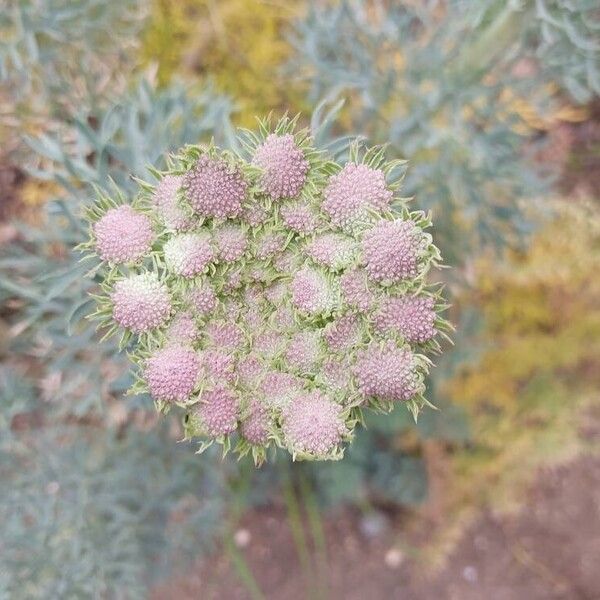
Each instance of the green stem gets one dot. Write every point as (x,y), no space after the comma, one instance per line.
(242,568)
(297,529)
(238,561)
(318,535)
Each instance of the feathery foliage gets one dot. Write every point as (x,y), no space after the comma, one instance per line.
(444,83)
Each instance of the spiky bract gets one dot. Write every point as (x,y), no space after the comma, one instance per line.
(168,209)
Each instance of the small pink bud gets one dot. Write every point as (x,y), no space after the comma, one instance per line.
(284,165)
(166,201)
(172,373)
(411,316)
(140,302)
(352,192)
(217,411)
(391,250)
(214,188)
(313,424)
(123,235)
(387,373)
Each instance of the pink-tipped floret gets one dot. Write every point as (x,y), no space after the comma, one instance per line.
(284,166)
(123,235)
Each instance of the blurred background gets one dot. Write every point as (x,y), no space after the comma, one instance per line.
(495,104)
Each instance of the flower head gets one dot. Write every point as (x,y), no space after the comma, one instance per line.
(166,201)
(337,373)
(313,424)
(172,373)
(342,334)
(387,373)
(250,369)
(284,166)
(356,292)
(279,388)
(299,217)
(268,344)
(276,292)
(217,412)
(231,242)
(140,302)
(255,426)
(203,299)
(215,188)
(311,292)
(354,191)
(392,249)
(188,254)
(183,329)
(304,350)
(270,244)
(333,250)
(228,336)
(411,316)
(283,318)
(123,235)
(217,365)
(289,301)
(255,215)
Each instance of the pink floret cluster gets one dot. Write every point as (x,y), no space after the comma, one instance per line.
(273,296)
(166,203)
(172,373)
(123,235)
(353,192)
(387,372)
(284,166)
(313,424)
(413,317)
(141,302)
(215,188)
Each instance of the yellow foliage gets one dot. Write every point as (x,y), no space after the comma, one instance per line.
(533,118)
(35,193)
(542,339)
(32,195)
(530,392)
(238,44)
(541,308)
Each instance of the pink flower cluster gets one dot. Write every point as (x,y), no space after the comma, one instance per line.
(275,295)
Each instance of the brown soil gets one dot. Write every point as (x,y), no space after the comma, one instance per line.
(11,178)
(547,551)
(574,150)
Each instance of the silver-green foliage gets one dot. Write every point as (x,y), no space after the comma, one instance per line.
(438,80)
(559,37)
(83,515)
(64,51)
(93,149)
(567,44)
(87,503)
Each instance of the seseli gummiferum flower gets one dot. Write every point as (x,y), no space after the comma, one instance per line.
(271,295)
